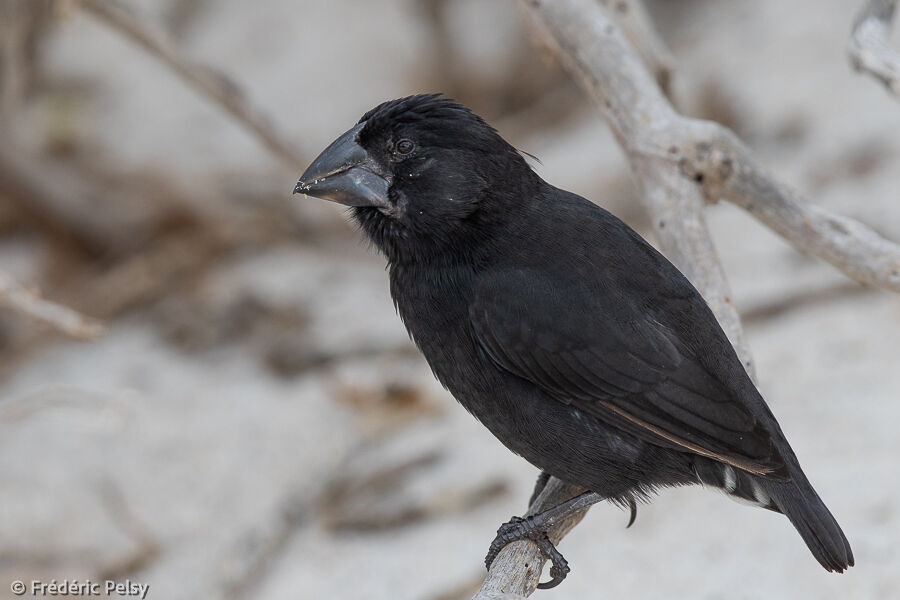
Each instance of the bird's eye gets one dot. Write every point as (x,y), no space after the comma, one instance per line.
(404,146)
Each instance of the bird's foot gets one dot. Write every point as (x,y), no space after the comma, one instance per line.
(530,528)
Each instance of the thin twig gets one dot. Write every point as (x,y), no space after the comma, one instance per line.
(29,302)
(211,83)
(869,47)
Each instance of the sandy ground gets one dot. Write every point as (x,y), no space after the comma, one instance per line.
(208,475)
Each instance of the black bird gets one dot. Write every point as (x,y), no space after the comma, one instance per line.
(574,341)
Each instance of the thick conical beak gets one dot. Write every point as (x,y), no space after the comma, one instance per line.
(346,174)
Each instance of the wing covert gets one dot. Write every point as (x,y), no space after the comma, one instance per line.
(602,354)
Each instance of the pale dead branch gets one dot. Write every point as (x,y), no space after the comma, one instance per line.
(212,84)
(869,48)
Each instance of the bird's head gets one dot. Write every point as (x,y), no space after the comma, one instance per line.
(424,174)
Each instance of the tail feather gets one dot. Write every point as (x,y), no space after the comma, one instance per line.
(796,498)
(814,522)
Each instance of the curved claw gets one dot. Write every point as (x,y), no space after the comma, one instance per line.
(557,579)
(559,567)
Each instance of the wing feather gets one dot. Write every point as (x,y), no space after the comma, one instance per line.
(611,360)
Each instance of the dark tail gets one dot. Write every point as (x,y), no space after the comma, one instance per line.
(796,498)
(801,504)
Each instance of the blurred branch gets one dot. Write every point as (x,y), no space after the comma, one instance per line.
(22,23)
(29,302)
(868,46)
(212,84)
(680,164)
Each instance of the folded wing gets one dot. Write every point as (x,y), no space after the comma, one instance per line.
(609,358)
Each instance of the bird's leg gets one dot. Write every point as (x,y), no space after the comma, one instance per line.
(539,486)
(535,528)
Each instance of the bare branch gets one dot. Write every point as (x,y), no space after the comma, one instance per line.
(213,84)
(28,302)
(869,47)
(729,170)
